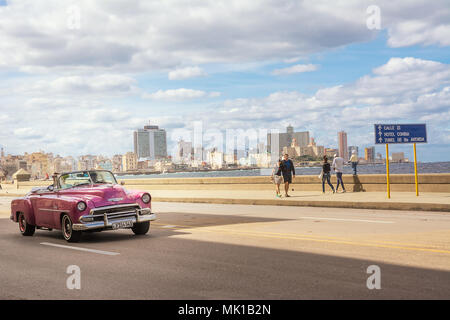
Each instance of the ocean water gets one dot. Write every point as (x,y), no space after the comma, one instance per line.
(425,167)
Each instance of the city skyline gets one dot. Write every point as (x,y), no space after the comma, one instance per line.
(285,140)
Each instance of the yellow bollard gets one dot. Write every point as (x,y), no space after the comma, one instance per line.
(415,171)
(387,172)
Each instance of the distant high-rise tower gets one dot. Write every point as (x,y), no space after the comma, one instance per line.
(285,139)
(150,143)
(184,152)
(342,142)
(369,154)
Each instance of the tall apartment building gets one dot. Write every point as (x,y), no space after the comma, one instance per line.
(39,163)
(150,143)
(319,151)
(117,163)
(369,154)
(129,161)
(342,144)
(184,151)
(398,156)
(285,139)
(86,162)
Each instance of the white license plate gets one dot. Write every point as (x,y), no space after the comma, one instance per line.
(122,224)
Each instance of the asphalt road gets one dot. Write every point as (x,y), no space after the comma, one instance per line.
(201,251)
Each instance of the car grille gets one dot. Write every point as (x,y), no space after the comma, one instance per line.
(114,212)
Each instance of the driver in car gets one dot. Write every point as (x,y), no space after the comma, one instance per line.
(96,178)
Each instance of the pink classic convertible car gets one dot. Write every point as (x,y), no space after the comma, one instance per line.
(83,201)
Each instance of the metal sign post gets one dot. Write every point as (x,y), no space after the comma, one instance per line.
(416,180)
(387,172)
(400,134)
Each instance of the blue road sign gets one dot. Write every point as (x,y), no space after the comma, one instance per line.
(400,133)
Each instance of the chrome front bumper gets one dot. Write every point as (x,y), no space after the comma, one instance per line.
(139,216)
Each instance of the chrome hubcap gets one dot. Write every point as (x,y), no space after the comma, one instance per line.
(67,227)
(21,223)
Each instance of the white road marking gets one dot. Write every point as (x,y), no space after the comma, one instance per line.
(352,220)
(168,226)
(108,253)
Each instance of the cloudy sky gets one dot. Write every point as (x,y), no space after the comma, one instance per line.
(77,77)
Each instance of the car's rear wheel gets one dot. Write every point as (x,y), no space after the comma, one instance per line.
(68,233)
(25,228)
(141,228)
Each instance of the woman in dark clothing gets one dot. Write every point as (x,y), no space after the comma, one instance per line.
(326,175)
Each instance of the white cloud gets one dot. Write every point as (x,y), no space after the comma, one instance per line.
(298,68)
(68,127)
(106,84)
(27,133)
(142,35)
(403,65)
(179,94)
(186,73)
(403,89)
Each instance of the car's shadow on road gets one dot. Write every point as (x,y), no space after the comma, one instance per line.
(193,220)
(168,224)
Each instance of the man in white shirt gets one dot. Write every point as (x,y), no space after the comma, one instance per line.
(338,167)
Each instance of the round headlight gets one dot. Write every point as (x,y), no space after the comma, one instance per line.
(146,198)
(81,206)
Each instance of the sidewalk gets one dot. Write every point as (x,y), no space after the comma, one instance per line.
(360,200)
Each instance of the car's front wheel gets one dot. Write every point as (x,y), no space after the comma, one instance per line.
(25,228)
(67,231)
(141,228)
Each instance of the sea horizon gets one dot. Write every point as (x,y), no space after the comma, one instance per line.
(394,168)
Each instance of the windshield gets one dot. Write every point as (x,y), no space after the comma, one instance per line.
(75,179)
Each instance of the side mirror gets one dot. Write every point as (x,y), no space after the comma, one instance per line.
(122,183)
(50,188)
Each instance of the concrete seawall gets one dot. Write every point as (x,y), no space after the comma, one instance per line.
(363,191)
(362,183)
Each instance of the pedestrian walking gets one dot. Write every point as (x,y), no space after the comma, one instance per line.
(288,171)
(276,177)
(338,167)
(326,169)
(354,161)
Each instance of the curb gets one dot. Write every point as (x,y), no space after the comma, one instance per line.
(406,206)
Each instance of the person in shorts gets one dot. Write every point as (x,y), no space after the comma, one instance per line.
(288,171)
(276,177)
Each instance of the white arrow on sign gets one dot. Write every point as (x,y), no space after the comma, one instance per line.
(379,127)
(381,139)
(379,133)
